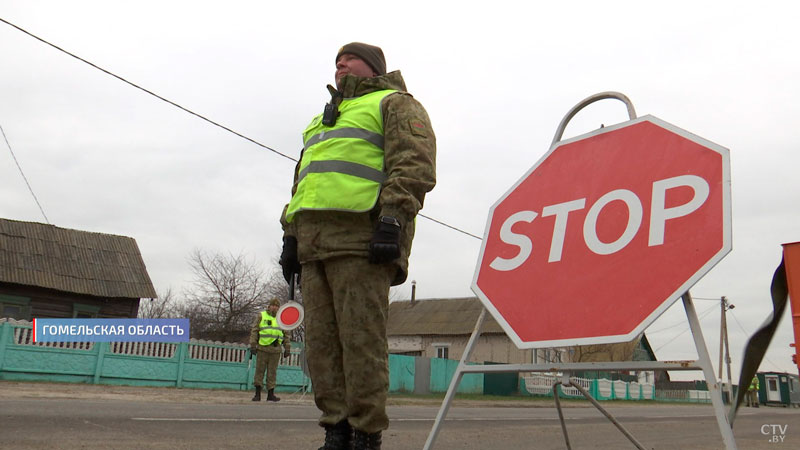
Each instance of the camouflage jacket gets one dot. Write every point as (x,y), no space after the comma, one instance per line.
(410,165)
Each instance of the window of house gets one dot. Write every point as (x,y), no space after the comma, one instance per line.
(81,311)
(442,350)
(14,307)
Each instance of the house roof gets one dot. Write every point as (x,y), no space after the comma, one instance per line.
(82,262)
(452,316)
(457,316)
(646,353)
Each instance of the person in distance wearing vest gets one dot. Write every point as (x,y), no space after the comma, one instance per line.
(266,339)
(367,162)
(752,392)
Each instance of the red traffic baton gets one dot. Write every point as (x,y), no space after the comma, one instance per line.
(290,315)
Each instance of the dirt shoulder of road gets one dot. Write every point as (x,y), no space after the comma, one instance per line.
(16,389)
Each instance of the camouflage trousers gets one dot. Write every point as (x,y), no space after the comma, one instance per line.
(267,361)
(346,301)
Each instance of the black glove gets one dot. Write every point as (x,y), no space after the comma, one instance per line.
(286,353)
(289,262)
(253,352)
(385,244)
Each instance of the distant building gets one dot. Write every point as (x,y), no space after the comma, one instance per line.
(441,328)
(52,272)
(778,388)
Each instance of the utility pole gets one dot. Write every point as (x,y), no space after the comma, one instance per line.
(723,343)
(721,335)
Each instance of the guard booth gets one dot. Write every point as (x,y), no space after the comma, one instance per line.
(779,389)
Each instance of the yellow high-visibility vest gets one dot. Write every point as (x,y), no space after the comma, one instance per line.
(268,330)
(342,165)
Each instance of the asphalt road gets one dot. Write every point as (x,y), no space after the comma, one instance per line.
(54,416)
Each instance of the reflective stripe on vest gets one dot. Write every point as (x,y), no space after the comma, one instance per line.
(342,165)
(268,330)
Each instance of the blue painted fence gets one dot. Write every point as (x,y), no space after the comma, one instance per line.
(196,364)
(209,365)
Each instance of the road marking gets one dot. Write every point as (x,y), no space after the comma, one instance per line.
(179,419)
(464,419)
(449,419)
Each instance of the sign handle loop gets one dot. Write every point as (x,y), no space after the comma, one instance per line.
(588,101)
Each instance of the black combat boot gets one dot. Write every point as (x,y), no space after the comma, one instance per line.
(271,396)
(367,441)
(257,397)
(338,437)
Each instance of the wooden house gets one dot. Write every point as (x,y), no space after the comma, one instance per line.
(52,272)
(440,328)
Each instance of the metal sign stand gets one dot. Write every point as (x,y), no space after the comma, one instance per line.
(567,382)
(304,387)
(566,369)
(702,363)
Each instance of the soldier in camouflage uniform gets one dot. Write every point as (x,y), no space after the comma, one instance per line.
(268,356)
(350,231)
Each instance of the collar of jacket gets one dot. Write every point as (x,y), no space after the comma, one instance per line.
(353,86)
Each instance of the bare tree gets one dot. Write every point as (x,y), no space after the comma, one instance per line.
(165,306)
(226,294)
(622,351)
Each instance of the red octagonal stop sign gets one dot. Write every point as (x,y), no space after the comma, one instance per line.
(604,233)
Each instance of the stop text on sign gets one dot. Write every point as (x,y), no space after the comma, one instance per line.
(659,215)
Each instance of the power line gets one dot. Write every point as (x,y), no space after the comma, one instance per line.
(195,114)
(666,328)
(705,313)
(148,91)
(738,323)
(680,322)
(450,226)
(702,315)
(23,174)
(748,334)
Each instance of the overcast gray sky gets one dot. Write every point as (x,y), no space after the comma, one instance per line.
(495,77)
